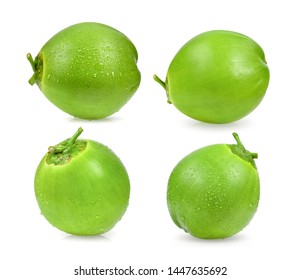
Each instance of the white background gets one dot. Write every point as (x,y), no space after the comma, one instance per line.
(150,136)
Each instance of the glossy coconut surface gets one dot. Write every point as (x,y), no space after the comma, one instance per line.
(88,70)
(213,192)
(86,194)
(218,77)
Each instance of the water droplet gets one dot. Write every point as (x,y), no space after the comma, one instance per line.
(113,74)
(95,75)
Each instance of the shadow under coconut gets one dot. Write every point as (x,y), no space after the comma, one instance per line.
(91,238)
(239,124)
(232,239)
(109,119)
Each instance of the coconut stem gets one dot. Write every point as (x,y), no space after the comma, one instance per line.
(236,137)
(65,146)
(32,62)
(75,136)
(239,143)
(33,78)
(158,80)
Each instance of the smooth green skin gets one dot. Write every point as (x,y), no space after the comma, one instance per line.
(217,77)
(213,193)
(88,70)
(86,196)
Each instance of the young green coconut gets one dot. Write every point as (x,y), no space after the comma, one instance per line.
(214,191)
(88,70)
(82,187)
(217,77)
